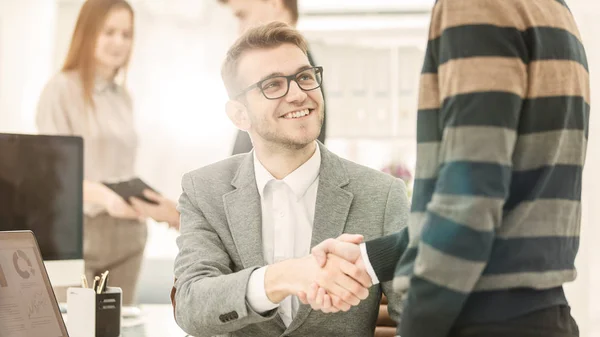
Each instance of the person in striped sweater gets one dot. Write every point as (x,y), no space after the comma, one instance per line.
(502,132)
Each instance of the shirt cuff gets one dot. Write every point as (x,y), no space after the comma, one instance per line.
(256,296)
(368,266)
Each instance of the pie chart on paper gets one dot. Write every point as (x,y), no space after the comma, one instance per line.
(22,264)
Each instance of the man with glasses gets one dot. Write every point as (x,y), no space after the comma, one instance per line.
(245,241)
(250,13)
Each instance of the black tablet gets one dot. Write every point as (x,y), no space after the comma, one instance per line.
(131,188)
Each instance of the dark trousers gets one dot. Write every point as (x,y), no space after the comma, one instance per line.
(551,322)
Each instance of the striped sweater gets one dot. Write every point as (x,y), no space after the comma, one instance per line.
(502,131)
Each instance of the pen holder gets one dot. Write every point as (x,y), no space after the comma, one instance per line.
(94,315)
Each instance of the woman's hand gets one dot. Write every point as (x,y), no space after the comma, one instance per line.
(98,193)
(165,210)
(119,208)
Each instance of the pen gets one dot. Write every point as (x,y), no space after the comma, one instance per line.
(105,285)
(96,279)
(102,283)
(105,282)
(84,283)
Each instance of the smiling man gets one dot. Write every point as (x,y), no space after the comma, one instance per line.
(251,13)
(248,222)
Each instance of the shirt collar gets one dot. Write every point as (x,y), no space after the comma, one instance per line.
(101,85)
(261,174)
(299,181)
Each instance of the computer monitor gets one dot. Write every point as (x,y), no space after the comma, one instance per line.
(41,189)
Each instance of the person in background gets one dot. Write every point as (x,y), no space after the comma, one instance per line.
(84,99)
(255,12)
(503,124)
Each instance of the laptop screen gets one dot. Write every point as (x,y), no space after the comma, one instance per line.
(28,307)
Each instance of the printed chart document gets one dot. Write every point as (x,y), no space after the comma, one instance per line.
(26,306)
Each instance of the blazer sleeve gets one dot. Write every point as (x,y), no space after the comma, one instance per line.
(210,298)
(395,220)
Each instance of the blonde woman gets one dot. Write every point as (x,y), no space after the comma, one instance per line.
(84,99)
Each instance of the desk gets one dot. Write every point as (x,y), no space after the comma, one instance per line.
(156,321)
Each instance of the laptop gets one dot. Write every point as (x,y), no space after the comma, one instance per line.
(28,307)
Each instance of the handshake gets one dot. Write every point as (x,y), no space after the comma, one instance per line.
(332,279)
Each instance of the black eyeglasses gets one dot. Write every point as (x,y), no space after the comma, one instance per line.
(278,86)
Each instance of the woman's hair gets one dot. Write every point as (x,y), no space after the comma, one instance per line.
(81,55)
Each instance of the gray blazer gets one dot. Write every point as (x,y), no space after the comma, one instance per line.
(220,245)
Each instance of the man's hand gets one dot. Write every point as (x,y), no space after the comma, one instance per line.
(346,247)
(293,276)
(164,211)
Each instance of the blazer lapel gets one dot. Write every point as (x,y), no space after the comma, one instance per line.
(243,211)
(331,211)
(333,201)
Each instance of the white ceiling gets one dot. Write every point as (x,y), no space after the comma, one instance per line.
(399,17)
(364,6)
(195,7)
(185,8)
(317,15)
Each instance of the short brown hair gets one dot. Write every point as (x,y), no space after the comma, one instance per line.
(268,36)
(290,5)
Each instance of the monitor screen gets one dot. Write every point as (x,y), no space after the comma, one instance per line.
(41,189)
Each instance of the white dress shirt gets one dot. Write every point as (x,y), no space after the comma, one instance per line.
(368,265)
(288,212)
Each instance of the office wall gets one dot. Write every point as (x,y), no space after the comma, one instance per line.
(26,45)
(178,93)
(372,65)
